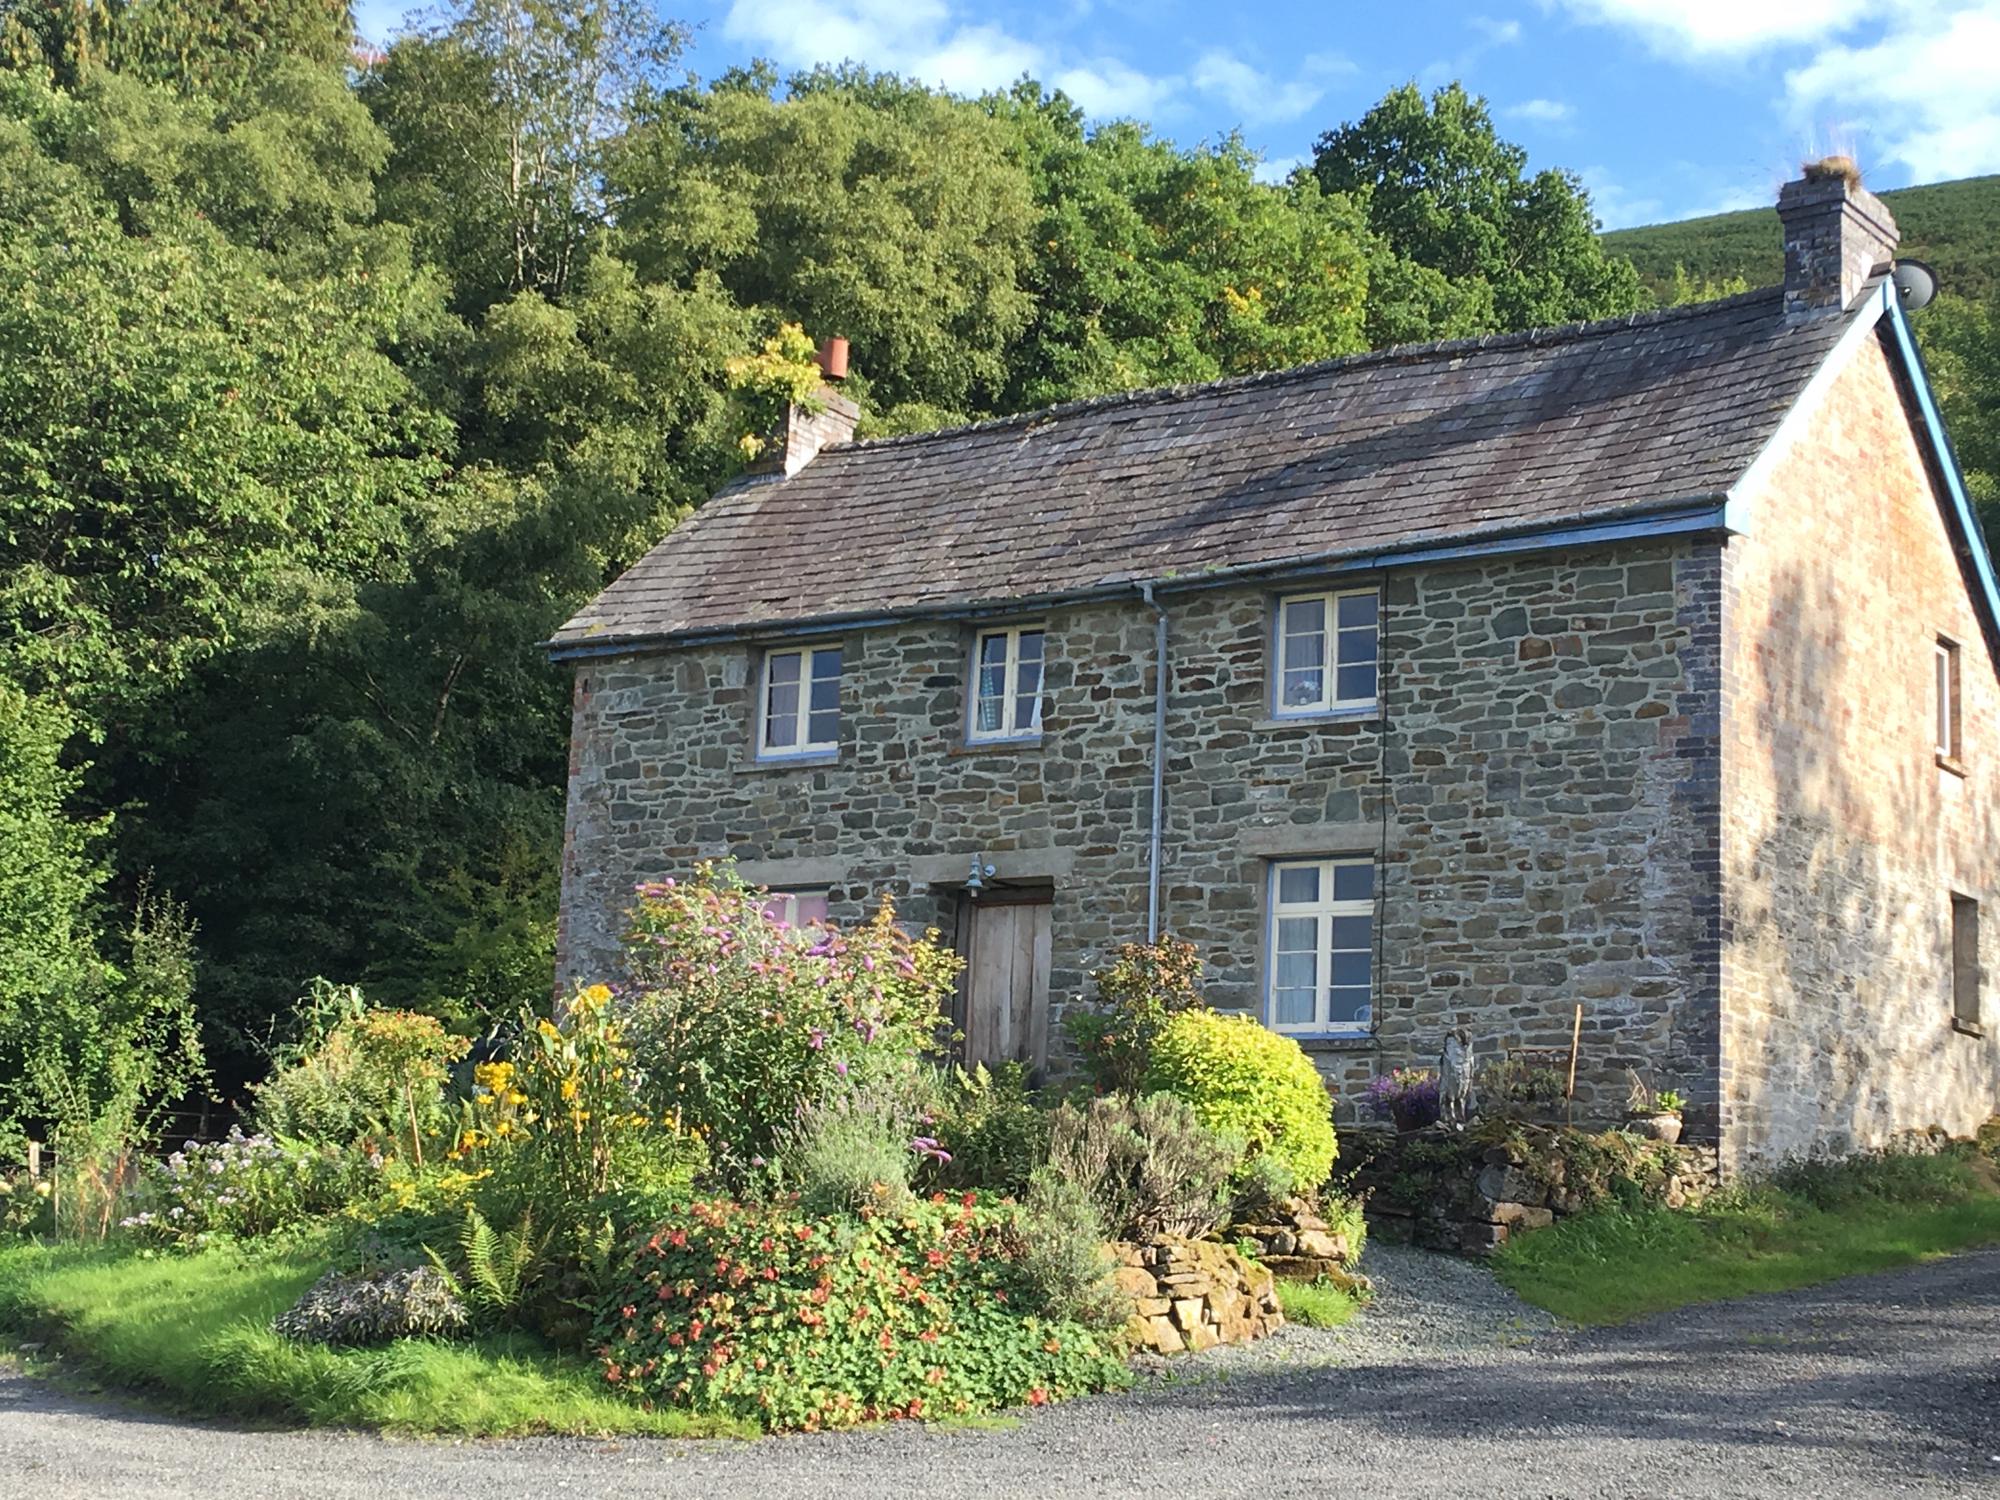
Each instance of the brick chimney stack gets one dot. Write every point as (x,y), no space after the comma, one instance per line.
(1837,235)
(808,432)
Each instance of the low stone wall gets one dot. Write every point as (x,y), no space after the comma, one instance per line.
(1193,1295)
(1295,1242)
(1469,1192)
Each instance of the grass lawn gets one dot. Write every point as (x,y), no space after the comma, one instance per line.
(193,1333)
(1316,1304)
(1808,1225)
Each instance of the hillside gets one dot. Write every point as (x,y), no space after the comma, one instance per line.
(1955,226)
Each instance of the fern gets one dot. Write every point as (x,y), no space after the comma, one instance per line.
(497,1265)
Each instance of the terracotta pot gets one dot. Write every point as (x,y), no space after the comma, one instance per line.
(1662,1127)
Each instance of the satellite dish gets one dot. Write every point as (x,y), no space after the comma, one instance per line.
(1916,284)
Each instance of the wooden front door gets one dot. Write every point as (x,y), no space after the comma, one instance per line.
(1005,1011)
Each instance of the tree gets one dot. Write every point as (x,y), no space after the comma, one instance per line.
(1473,243)
(1961,343)
(193,46)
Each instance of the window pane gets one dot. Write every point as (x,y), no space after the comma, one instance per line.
(781,715)
(1350,933)
(1353,882)
(1297,971)
(1358,609)
(992,680)
(986,718)
(1031,646)
(1295,1007)
(1298,883)
(993,650)
(1303,689)
(1350,969)
(778,908)
(1304,651)
(1028,696)
(826,663)
(825,694)
(809,909)
(784,667)
(1357,684)
(1356,647)
(1303,616)
(1299,934)
(823,728)
(1350,1008)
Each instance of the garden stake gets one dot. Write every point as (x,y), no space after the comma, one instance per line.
(1575,1040)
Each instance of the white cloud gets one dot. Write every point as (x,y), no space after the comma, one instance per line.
(1497,33)
(1108,90)
(1926,95)
(1256,97)
(1541,111)
(1616,207)
(1278,168)
(1705,27)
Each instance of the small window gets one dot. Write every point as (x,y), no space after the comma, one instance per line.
(1326,648)
(1321,958)
(1948,716)
(800,706)
(797,910)
(1007,684)
(1965,964)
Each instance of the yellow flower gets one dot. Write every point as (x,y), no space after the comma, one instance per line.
(568,1088)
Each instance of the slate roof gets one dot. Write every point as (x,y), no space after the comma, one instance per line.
(1423,444)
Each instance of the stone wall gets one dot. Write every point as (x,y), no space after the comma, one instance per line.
(1468,1194)
(1190,1295)
(1845,838)
(1540,787)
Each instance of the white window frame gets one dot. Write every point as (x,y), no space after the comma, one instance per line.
(787,902)
(801,743)
(1011,680)
(1329,700)
(1323,911)
(1950,707)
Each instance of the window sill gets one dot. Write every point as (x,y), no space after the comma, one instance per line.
(1366,717)
(1334,1043)
(1967,1028)
(1952,764)
(997,746)
(786,763)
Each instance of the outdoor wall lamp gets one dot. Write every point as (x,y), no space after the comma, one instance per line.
(977,876)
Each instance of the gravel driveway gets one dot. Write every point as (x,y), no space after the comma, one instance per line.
(1885,1385)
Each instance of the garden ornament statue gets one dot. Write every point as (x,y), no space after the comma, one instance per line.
(1455,1101)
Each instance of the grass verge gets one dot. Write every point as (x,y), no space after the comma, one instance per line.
(1316,1304)
(193,1333)
(1809,1224)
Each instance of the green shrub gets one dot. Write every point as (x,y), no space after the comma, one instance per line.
(1062,1254)
(355,1308)
(244,1187)
(25,1208)
(851,1150)
(791,1323)
(1317,1304)
(1138,992)
(738,1025)
(990,1131)
(1249,1082)
(494,1268)
(1148,1166)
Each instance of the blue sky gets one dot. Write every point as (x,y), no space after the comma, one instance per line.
(1667,108)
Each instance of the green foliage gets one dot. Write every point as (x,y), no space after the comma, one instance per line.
(738,1027)
(1961,343)
(1474,243)
(243,1188)
(1143,986)
(495,1267)
(771,382)
(1149,1166)
(1248,1082)
(850,1150)
(1515,1086)
(760,1315)
(1810,1223)
(1685,289)
(25,1207)
(1317,1304)
(1061,1254)
(989,1125)
(359,1308)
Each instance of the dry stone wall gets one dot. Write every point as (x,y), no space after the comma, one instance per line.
(1190,1295)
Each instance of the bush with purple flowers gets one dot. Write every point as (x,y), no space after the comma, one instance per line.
(738,1026)
(1409,1096)
(244,1187)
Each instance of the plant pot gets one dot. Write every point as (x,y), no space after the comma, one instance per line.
(1407,1119)
(1663,1127)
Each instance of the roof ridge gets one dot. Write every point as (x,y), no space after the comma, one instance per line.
(1560,333)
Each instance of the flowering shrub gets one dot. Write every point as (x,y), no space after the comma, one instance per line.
(738,1026)
(373,1307)
(987,1130)
(244,1187)
(1138,992)
(24,1205)
(1409,1096)
(755,1313)
(1148,1166)
(1248,1082)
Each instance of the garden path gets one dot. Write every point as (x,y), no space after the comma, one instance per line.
(1882,1385)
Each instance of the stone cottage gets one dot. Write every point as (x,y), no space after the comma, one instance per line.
(1644,665)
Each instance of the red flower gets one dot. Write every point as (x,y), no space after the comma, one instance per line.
(1038,1397)
(935,1257)
(611,1373)
(969,1199)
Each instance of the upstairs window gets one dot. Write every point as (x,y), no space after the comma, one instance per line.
(1007,684)
(1965,965)
(800,703)
(1321,958)
(1327,646)
(797,910)
(1948,716)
